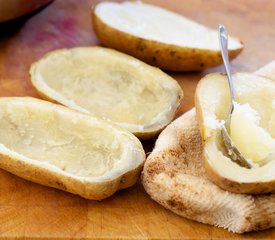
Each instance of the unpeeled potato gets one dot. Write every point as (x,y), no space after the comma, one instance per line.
(58,147)
(158,36)
(110,85)
(212,104)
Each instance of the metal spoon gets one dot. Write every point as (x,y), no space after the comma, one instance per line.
(231,147)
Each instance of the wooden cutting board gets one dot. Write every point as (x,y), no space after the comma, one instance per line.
(30,211)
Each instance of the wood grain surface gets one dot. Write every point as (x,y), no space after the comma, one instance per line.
(30,211)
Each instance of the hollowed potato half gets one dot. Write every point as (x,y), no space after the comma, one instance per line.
(109,85)
(58,147)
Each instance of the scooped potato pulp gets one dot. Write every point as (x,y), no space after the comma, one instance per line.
(252,129)
(158,36)
(254,142)
(110,85)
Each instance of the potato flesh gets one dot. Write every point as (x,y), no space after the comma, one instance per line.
(254,142)
(109,86)
(154,23)
(258,92)
(271,125)
(214,100)
(65,141)
(232,171)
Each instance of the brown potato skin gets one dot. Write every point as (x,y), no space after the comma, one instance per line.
(165,56)
(88,190)
(237,187)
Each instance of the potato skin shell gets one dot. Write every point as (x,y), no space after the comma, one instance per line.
(165,56)
(139,135)
(88,190)
(237,187)
(214,176)
(142,135)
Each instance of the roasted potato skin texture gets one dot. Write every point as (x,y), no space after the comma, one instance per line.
(234,186)
(32,170)
(165,56)
(85,189)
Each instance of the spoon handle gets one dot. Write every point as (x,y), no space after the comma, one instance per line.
(223,36)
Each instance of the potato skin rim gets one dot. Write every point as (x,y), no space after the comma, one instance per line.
(213,175)
(226,184)
(89,189)
(142,135)
(165,56)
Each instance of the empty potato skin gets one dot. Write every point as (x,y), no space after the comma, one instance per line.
(165,56)
(142,135)
(139,135)
(88,190)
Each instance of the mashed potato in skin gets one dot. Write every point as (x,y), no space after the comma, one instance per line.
(254,142)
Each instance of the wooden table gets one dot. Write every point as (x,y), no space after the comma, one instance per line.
(30,211)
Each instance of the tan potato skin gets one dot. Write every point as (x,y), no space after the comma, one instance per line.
(89,190)
(221,181)
(164,56)
(237,187)
(85,189)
